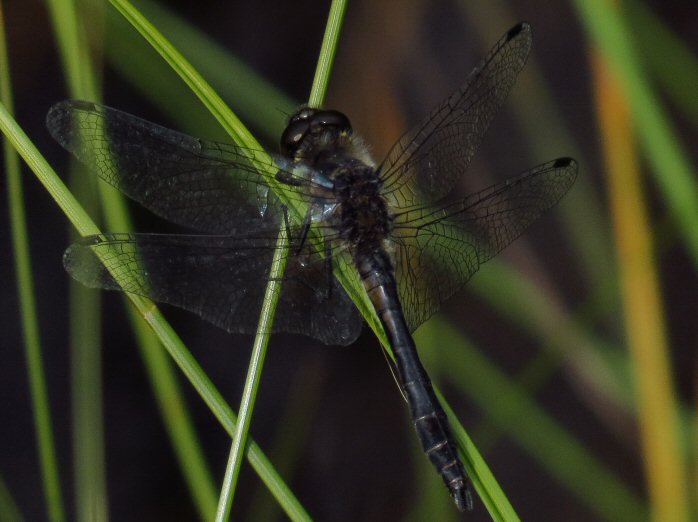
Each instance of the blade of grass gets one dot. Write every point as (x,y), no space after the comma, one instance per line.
(645,329)
(151,314)
(229,121)
(28,312)
(673,64)
(254,374)
(89,462)
(91,488)
(271,297)
(73,49)
(8,508)
(484,482)
(671,169)
(256,100)
(327,52)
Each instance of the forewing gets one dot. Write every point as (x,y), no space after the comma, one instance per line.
(196,183)
(220,278)
(438,250)
(426,162)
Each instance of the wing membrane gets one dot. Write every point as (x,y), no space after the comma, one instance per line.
(426,162)
(212,187)
(221,279)
(438,250)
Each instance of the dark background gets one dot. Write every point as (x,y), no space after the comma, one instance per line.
(359,459)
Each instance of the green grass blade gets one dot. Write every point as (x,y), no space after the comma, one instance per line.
(73,49)
(349,280)
(671,168)
(254,375)
(673,65)
(256,100)
(89,460)
(327,52)
(88,447)
(28,312)
(8,508)
(232,125)
(273,289)
(479,474)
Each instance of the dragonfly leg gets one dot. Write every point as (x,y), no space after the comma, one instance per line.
(328,268)
(300,239)
(305,228)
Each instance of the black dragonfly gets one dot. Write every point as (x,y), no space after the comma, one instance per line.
(383,220)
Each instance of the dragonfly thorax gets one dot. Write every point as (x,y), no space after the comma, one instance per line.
(362,216)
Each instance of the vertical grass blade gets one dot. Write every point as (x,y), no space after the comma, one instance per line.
(643,311)
(85,337)
(327,52)
(254,374)
(89,446)
(29,318)
(273,289)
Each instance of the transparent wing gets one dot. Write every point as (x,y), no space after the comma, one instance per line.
(438,249)
(220,278)
(426,162)
(213,187)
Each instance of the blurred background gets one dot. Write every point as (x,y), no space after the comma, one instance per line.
(569,359)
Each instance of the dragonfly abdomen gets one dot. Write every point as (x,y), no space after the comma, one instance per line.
(428,417)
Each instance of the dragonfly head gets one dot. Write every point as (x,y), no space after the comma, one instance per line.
(311,131)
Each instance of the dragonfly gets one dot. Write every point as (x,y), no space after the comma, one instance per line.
(389,222)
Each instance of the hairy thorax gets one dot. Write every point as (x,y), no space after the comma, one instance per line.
(362,217)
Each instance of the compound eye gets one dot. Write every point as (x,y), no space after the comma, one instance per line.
(304,113)
(293,135)
(324,119)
